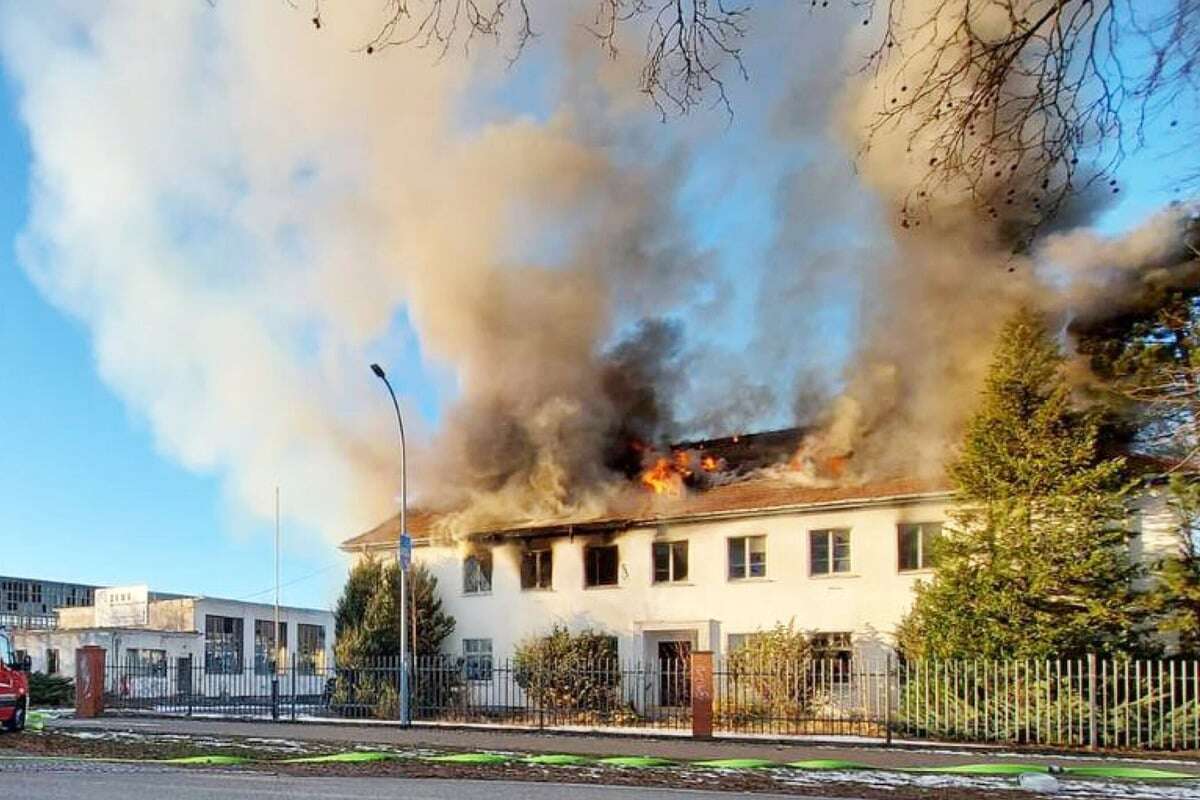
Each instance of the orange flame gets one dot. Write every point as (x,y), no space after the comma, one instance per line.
(663,478)
(710,464)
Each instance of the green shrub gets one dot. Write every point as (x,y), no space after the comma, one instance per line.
(570,672)
(51,690)
(768,677)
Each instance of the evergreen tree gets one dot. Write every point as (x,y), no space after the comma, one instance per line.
(1035,563)
(1176,593)
(368,613)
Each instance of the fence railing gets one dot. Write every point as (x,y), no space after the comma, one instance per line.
(1089,702)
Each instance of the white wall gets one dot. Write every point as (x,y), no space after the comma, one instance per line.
(868,602)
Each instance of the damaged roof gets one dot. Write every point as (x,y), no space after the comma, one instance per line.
(635,508)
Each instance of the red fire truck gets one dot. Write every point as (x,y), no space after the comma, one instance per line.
(14,685)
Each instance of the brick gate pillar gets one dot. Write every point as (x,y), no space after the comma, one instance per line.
(702,694)
(89,681)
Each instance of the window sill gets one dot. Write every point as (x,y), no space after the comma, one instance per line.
(669,584)
(918,571)
(602,587)
(763,579)
(833,576)
(536,589)
(476,594)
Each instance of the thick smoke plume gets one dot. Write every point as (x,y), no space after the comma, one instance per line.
(245,212)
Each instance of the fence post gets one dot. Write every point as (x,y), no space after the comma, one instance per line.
(89,680)
(702,694)
(1091,660)
(887,699)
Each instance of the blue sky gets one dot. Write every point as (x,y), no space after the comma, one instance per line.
(89,493)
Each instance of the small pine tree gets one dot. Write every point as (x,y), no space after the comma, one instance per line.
(1035,563)
(367,615)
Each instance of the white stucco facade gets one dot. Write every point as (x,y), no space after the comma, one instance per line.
(158,640)
(862,605)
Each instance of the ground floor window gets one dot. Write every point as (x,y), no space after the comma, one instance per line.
(477,659)
(146,662)
(832,653)
(223,645)
(267,654)
(310,648)
(52,662)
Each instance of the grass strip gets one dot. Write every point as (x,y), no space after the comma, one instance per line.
(353,757)
(981,769)
(827,763)
(471,758)
(560,760)
(736,763)
(638,761)
(211,760)
(1136,773)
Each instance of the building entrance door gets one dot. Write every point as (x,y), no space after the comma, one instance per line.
(674,673)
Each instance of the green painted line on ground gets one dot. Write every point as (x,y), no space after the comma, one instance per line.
(560,760)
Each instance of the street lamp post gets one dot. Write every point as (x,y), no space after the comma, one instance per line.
(404,709)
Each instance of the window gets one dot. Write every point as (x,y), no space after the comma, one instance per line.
(222,645)
(146,663)
(831,656)
(477,573)
(829,551)
(670,562)
(737,640)
(310,648)
(6,653)
(914,542)
(747,557)
(52,662)
(266,654)
(600,565)
(477,659)
(537,569)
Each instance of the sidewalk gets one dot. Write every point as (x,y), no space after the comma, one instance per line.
(596,744)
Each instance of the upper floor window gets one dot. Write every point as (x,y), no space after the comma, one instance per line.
(748,557)
(670,562)
(477,573)
(829,551)
(915,544)
(600,565)
(537,569)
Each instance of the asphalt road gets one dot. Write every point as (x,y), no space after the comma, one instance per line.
(39,780)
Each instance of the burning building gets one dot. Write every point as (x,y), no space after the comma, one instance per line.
(711,542)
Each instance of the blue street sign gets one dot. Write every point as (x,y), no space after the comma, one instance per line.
(405,551)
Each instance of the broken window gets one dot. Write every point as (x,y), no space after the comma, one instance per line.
(829,551)
(477,659)
(670,562)
(222,645)
(477,573)
(747,557)
(914,542)
(267,655)
(310,648)
(537,569)
(600,565)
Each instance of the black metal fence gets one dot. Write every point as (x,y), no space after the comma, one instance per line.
(1097,703)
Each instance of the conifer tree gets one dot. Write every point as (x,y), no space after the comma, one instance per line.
(1035,563)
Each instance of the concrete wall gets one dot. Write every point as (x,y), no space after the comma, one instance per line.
(868,602)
